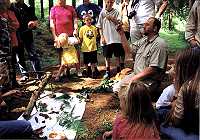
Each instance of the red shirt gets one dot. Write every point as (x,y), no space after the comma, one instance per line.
(63,18)
(13,25)
(124,130)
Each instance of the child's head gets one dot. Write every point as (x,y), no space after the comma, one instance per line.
(87,19)
(63,39)
(61,2)
(139,107)
(109,4)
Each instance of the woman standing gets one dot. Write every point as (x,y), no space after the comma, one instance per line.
(63,19)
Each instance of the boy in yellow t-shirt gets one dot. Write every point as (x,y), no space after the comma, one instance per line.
(88,35)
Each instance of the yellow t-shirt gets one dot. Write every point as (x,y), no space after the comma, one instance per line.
(88,35)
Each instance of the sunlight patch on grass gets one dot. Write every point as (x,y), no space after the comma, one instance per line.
(175,40)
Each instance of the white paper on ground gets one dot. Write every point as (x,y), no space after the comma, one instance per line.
(54,105)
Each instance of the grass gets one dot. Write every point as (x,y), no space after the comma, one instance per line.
(175,40)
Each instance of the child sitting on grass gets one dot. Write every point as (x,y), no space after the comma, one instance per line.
(88,36)
(137,118)
(69,55)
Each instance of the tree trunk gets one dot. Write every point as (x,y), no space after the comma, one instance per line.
(42,9)
(100,3)
(74,3)
(170,20)
(50,4)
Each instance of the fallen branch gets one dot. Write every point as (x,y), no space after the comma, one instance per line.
(36,94)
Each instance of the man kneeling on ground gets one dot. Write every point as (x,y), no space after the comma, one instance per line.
(150,58)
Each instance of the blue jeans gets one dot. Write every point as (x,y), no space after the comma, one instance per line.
(15,129)
(177,133)
(162,112)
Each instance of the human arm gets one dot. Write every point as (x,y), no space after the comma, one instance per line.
(81,34)
(53,26)
(155,59)
(15,93)
(33,20)
(191,27)
(53,29)
(162,8)
(178,107)
(147,72)
(103,40)
(1,100)
(75,19)
(75,33)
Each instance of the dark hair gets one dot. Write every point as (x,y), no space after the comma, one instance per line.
(187,62)
(190,91)
(139,107)
(157,23)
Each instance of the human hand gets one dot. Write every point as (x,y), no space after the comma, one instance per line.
(32,24)
(108,17)
(56,42)
(103,40)
(106,134)
(75,32)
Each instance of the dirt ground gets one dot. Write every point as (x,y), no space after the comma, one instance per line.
(101,109)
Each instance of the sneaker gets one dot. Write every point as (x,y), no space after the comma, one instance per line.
(95,74)
(89,72)
(79,73)
(106,75)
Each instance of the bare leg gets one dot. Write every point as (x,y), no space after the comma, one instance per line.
(59,72)
(117,59)
(107,74)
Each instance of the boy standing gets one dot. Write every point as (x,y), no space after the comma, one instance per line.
(88,35)
(110,38)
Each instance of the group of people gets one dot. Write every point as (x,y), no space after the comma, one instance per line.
(107,23)
(17,22)
(176,115)
(86,36)
(177,109)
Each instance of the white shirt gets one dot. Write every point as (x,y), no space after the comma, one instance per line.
(109,28)
(144,10)
(166,97)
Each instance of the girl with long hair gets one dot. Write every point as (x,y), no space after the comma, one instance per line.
(137,120)
(182,120)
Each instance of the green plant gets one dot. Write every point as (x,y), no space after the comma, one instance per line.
(42,107)
(67,120)
(107,126)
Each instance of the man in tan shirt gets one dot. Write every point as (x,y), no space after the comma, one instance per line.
(150,57)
